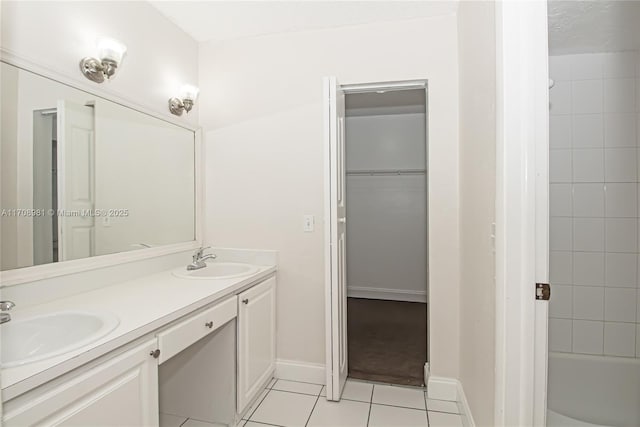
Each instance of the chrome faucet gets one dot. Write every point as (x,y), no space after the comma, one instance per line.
(5,306)
(199,259)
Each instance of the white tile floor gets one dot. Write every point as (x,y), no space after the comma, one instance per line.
(295,404)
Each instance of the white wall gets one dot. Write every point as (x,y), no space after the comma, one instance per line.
(58,34)
(476,24)
(263,102)
(386,214)
(594,182)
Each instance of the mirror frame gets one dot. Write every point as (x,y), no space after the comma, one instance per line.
(45,271)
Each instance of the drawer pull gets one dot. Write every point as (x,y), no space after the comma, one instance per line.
(209,324)
(245,301)
(155,353)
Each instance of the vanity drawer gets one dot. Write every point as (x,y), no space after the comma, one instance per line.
(175,339)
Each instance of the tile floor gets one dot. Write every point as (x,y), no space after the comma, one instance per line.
(296,404)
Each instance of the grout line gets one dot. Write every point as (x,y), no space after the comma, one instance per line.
(312,409)
(265,424)
(427,408)
(259,403)
(370,405)
(297,392)
(183,423)
(291,381)
(403,407)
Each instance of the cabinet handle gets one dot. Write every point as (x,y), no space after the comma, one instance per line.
(155,353)
(245,301)
(209,324)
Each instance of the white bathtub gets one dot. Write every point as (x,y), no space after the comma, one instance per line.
(593,390)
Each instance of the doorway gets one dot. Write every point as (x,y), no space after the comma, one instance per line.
(385,155)
(377,273)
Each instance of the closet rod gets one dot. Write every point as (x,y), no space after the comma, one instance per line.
(378,172)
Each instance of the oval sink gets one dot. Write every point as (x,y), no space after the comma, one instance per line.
(217,270)
(41,337)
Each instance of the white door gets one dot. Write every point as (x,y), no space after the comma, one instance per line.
(256,340)
(76,196)
(335,235)
(122,391)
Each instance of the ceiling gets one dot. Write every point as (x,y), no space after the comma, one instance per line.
(226,20)
(387,102)
(593,26)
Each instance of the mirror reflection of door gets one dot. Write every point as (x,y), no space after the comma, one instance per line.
(76,176)
(63,183)
(45,186)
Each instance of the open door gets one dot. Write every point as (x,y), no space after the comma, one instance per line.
(76,198)
(335,235)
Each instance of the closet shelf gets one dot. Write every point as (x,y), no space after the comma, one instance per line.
(380,172)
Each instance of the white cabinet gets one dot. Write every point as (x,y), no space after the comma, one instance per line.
(180,336)
(256,340)
(122,391)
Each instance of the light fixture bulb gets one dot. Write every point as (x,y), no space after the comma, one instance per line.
(110,50)
(189,92)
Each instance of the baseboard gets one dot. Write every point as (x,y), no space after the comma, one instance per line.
(444,388)
(387,294)
(465,409)
(294,370)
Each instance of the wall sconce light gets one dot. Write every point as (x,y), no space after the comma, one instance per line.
(110,55)
(188,96)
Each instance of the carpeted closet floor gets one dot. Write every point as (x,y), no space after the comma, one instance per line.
(387,340)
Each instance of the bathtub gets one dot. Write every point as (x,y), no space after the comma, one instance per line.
(593,391)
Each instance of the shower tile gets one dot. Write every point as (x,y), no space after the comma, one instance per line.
(560,166)
(560,335)
(620,96)
(587,66)
(561,267)
(619,339)
(588,165)
(620,304)
(620,65)
(560,132)
(588,131)
(637,340)
(588,200)
(620,130)
(560,200)
(560,99)
(621,270)
(588,234)
(620,165)
(560,234)
(622,235)
(560,306)
(560,67)
(588,303)
(588,337)
(586,96)
(621,200)
(588,268)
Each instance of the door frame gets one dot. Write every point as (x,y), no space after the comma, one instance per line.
(421,84)
(522,176)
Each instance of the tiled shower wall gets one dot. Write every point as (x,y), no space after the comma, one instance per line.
(594,194)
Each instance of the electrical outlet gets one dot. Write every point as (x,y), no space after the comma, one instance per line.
(308,223)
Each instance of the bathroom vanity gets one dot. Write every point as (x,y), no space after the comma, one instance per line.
(199,347)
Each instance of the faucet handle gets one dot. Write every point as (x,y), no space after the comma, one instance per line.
(200,251)
(6,305)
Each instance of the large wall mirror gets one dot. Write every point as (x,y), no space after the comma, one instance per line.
(82,176)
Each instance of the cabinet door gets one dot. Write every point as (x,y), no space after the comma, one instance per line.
(122,391)
(256,339)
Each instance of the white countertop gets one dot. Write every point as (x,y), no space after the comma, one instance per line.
(142,305)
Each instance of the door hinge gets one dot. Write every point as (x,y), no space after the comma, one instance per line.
(543,291)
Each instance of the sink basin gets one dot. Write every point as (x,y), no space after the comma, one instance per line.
(217,270)
(42,337)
